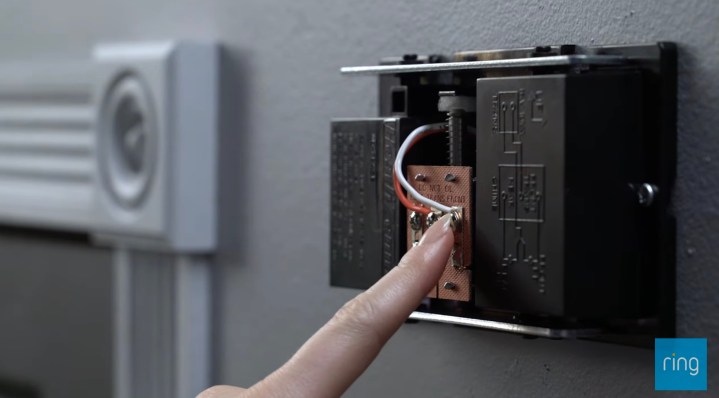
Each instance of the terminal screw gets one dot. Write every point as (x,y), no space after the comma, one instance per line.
(415,221)
(456,218)
(432,218)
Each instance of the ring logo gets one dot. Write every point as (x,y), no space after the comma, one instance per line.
(680,364)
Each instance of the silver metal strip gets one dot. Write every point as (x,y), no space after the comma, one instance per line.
(506,327)
(555,60)
(122,324)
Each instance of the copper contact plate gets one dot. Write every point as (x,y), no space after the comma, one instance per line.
(451,193)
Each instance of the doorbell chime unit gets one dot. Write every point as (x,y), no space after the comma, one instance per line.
(557,165)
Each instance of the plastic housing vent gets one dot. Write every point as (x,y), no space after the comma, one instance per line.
(46,146)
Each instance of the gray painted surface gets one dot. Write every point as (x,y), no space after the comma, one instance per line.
(281,89)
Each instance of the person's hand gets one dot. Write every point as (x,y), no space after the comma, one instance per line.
(331,360)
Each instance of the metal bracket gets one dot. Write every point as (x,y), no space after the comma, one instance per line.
(534,62)
(527,330)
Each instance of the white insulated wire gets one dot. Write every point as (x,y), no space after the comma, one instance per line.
(400,157)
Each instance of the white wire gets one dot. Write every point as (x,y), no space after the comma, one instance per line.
(400,157)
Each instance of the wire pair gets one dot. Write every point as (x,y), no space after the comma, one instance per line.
(399,179)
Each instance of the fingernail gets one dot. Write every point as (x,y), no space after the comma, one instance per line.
(437,231)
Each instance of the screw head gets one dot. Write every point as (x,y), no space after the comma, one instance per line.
(456,218)
(432,218)
(449,286)
(450,177)
(646,194)
(419,177)
(415,221)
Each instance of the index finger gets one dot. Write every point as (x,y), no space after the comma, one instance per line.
(328,363)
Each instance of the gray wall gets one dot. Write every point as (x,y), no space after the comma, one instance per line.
(281,89)
(54,316)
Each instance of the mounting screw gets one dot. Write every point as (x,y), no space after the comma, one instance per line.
(419,177)
(646,194)
(450,177)
(449,286)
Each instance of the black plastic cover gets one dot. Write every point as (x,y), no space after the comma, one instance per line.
(367,227)
(558,157)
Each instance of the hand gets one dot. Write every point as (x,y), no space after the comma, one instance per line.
(331,360)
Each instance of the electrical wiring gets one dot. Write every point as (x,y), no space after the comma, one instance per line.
(417,134)
(398,188)
(406,202)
